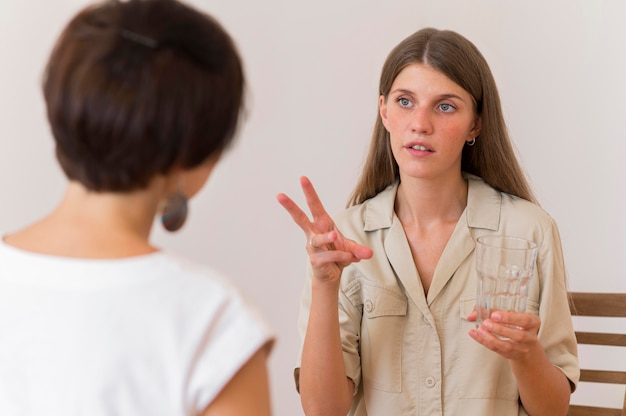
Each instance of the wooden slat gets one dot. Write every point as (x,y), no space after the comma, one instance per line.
(599,338)
(598,376)
(592,411)
(598,304)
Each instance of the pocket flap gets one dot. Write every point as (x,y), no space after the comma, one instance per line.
(382,302)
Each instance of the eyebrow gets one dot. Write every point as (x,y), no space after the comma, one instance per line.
(441,97)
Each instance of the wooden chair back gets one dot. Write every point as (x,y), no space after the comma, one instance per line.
(599,305)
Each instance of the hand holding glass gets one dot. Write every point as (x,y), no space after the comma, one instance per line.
(504,266)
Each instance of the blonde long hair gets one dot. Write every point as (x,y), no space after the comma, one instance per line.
(492,157)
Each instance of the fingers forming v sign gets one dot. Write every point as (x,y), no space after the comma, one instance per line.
(329,251)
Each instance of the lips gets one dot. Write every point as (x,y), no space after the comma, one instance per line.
(420,147)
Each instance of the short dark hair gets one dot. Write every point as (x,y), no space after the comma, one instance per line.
(134,88)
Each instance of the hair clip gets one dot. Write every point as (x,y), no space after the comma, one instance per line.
(142,40)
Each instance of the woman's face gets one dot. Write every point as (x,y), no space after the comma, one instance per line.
(429,119)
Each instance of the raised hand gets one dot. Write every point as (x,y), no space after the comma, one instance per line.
(329,251)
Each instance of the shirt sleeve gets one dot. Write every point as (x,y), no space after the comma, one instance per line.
(349,324)
(556,334)
(234,333)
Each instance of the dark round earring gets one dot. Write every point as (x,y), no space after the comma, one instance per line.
(174,211)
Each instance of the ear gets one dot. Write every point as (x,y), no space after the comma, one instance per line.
(382,110)
(475,131)
(172,180)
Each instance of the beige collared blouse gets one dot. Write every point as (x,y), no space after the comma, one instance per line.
(410,354)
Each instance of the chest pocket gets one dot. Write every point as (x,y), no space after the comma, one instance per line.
(382,329)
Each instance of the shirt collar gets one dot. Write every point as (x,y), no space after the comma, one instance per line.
(483,204)
(482,210)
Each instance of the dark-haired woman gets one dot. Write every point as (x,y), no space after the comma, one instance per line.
(142,96)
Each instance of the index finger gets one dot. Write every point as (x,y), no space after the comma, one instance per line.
(522,320)
(296,213)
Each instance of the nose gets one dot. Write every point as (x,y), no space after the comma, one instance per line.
(421,122)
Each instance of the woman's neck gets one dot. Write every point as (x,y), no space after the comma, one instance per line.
(94,224)
(426,201)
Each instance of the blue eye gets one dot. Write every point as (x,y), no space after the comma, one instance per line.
(446,108)
(404,102)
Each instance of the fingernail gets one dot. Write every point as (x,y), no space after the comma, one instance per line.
(496,316)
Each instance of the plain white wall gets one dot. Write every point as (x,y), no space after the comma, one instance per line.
(312,71)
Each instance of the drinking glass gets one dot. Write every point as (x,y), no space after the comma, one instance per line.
(504,266)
